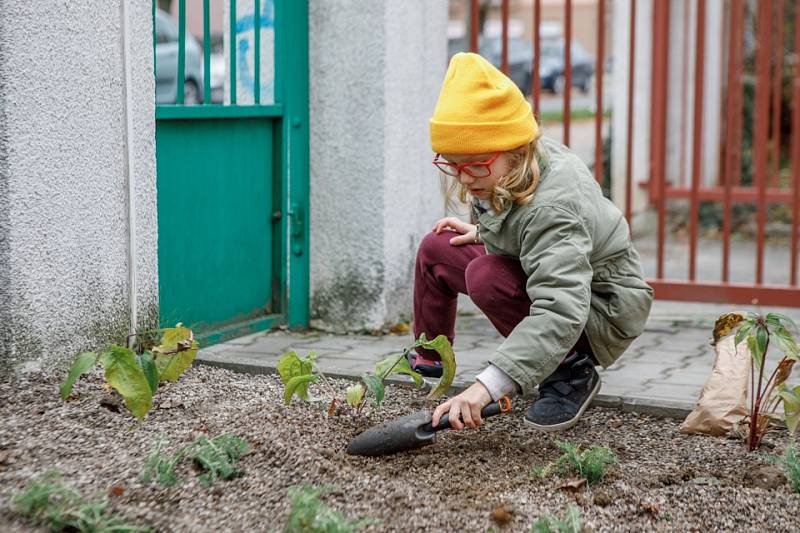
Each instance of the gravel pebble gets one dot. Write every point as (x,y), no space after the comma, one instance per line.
(665,480)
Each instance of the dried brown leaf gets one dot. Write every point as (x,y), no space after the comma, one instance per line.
(332,408)
(500,515)
(400,327)
(649,508)
(573,484)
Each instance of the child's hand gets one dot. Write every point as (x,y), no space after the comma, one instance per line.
(467,231)
(466,406)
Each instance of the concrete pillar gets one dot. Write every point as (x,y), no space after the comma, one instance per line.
(375,70)
(64,232)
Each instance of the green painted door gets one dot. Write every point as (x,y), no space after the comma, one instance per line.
(232,184)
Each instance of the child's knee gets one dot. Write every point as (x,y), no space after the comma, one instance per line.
(434,248)
(479,277)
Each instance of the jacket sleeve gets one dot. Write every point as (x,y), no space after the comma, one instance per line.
(554,253)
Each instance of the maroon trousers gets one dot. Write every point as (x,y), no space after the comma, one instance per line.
(496,283)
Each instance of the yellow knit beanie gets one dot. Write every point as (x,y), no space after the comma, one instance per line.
(480,110)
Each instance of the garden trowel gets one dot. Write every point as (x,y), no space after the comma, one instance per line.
(411,431)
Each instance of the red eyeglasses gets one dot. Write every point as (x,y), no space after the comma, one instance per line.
(476,169)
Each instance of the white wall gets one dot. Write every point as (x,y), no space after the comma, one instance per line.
(375,72)
(63,185)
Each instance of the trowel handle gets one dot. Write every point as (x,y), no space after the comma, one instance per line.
(501,406)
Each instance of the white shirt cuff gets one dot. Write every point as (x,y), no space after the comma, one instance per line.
(497,382)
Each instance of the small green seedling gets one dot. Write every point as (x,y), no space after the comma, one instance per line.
(161,468)
(789,462)
(589,464)
(47,502)
(217,457)
(298,373)
(310,515)
(550,524)
(136,373)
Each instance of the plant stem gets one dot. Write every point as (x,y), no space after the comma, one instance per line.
(327,383)
(770,385)
(383,377)
(755,419)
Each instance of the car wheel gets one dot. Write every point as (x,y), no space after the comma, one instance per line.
(558,85)
(191,94)
(587,85)
(526,87)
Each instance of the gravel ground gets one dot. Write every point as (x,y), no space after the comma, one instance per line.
(665,480)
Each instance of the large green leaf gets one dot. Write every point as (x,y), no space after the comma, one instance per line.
(442,346)
(293,386)
(149,369)
(762,338)
(786,343)
(397,364)
(175,353)
(81,365)
(791,406)
(742,333)
(787,321)
(375,385)
(758,359)
(291,366)
(126,376)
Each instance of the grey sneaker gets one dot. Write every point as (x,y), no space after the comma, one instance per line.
(565,394)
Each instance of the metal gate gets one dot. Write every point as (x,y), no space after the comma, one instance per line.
(232,175)
(771,180)
(764,183)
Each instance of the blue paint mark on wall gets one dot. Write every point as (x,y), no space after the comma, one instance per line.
(244,70)
(244,24)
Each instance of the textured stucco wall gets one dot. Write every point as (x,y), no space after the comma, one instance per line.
(375,71)
(63,192)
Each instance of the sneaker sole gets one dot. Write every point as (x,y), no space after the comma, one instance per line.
(572,421)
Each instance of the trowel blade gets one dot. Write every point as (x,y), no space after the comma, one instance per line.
(402,434)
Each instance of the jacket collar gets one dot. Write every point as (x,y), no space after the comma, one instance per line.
(490,220)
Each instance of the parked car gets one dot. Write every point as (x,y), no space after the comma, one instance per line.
(551,68)
(520,60)
(520,53)
(167,64)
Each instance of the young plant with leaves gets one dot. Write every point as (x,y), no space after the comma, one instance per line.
(160,467)
(767,395)
(298,373)
(217,457)
(589,464)
(46,501)
(135,373)
(789,463)
(551,524)
(309,514)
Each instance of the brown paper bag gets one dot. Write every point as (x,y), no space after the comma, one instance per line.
(723,401)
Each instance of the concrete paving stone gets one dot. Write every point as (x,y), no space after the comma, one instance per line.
(669,390)
(691,379)
(663,357)
(635,373)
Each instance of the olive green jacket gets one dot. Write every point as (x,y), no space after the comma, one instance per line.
(583,272)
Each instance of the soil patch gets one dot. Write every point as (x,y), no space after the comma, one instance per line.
(467,481)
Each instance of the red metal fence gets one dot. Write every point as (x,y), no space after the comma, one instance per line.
(760,189)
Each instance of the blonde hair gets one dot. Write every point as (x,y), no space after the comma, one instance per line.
(517,187)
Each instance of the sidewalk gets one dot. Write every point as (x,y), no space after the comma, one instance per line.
(662,372)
